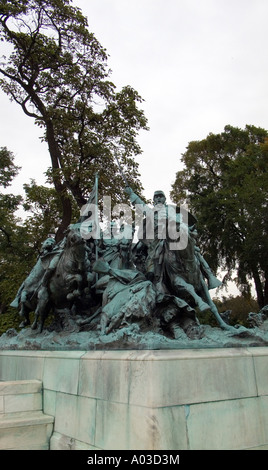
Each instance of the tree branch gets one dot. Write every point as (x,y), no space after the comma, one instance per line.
(6,234)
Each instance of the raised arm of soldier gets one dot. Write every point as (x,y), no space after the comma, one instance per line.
(134,198)
(159,198)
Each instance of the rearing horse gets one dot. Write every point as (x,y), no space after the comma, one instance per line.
(182,273)
(64,278)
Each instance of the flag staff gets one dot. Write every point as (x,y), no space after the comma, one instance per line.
(121,171)
(96,218)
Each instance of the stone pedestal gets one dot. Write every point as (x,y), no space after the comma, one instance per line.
(150,400)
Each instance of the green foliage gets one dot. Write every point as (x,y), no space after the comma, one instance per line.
(236,308)
(9,320)
(20,241)
(240,307)
(225,183)
(13,252)
(44,208)
(8,169)
(57,72)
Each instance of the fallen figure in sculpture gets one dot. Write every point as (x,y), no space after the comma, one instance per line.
(129,297)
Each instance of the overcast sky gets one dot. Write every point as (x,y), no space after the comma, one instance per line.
(198,65)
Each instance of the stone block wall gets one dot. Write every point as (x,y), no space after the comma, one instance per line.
(150,400)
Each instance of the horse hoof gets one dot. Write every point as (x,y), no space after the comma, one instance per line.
(24,323)
(203,306)
(213,283)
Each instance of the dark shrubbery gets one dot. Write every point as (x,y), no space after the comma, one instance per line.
(235,308)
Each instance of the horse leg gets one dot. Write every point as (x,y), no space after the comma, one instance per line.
(214,309)
(103,323)
(42,308)
(44,315)
(180,283)
(74,286)
(24,310)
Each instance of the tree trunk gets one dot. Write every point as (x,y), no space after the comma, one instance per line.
(66,218)
(259,288)
(60,187)
(266,288)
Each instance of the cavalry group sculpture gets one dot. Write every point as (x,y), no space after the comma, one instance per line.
(159,282)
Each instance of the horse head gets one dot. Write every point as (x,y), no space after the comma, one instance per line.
(74,240)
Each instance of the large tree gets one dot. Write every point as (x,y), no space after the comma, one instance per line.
(8,202)
(43,209)
(57,72)
(225,182)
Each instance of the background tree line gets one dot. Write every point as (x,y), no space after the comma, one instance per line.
(225,183)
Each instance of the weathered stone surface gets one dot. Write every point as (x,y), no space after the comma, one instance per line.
(187,399)
(23,425)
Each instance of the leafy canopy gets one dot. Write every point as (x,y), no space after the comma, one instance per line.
(225,182)
(57,72)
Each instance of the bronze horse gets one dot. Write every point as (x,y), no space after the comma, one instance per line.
(182,273)
(26,297)
(67,276)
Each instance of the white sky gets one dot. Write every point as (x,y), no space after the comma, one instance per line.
(198,64)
